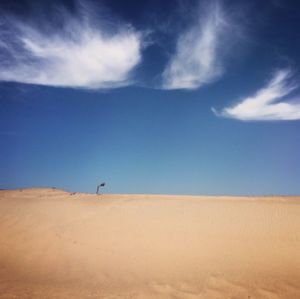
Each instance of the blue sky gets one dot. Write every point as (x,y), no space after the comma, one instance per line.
(178,97)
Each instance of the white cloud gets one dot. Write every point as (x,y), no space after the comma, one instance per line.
(198,57)
(267,103)
(82,54)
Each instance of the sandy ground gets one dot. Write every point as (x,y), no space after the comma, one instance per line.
(57,245)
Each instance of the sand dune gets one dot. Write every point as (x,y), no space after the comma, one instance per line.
(57,245)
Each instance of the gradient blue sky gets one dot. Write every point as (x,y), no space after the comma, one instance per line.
(178,97)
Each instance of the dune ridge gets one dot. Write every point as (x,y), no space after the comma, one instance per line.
(57,244)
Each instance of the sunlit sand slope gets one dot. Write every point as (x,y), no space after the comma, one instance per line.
(54,244)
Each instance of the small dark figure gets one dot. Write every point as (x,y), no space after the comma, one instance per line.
(101,185)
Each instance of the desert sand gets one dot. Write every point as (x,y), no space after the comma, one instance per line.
(55,244)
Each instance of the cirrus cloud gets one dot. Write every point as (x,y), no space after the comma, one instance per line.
(81,54)
(268,103)
(198,57)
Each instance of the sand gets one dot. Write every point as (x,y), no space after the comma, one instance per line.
(54,244)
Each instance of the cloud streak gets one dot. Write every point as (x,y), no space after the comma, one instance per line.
(267,103)
(198,59)
(80,54)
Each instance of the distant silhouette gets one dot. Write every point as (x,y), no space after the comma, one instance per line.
(98,187)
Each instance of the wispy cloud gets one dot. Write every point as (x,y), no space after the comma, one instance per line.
(198,57)
(81,54)
(267,103)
